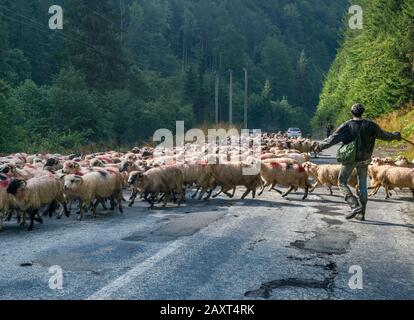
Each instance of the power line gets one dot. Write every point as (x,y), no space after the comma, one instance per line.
(96,12)
(65,36)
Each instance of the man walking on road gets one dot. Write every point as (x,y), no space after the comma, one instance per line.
(329,129)
(363,132)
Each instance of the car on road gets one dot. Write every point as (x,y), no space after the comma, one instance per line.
(294,133)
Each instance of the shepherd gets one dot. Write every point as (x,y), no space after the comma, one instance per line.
(358,136)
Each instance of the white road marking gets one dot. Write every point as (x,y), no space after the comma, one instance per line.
(106,292)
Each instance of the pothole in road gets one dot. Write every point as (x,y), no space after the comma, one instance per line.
(176,227)
(266,289)
(330,241)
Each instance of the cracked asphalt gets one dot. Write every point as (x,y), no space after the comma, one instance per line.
(265,248)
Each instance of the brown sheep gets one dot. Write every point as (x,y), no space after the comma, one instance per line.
(230,175)
(328,175)
(35,193)
(165,180)
(391,177)
(95,185)
(285,173)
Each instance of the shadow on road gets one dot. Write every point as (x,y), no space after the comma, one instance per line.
(384,223)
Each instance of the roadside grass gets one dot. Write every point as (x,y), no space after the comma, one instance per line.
(401,120)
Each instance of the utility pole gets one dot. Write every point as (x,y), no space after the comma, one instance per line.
(231,98)
(216,97)
(122,19)
(245,97)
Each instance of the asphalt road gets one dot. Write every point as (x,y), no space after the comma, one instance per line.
(265,248)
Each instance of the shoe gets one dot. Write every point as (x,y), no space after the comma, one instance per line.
(360,217)
(355,207)
(353,213)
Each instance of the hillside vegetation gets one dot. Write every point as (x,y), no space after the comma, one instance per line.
(120,69)
(403,121)
(374,66)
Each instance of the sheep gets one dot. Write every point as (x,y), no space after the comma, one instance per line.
(328,175)
(5,200)
(164,180)
(128,166)
(230,175)
(403,162)
(284,173)
(201,175)
(96,163)
(391,177)
(53,164)
(31,195)
(94,185)
(375,172)
(301,158)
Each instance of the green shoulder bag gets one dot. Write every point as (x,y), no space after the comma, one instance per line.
(347,153)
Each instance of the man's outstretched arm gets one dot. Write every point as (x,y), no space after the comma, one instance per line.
(335,138)
(386,136)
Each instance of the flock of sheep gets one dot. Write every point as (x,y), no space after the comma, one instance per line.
(38,185)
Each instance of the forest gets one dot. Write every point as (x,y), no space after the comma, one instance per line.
(374,66)
(120,69)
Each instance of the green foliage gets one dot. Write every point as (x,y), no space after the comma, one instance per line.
(11,115)
(374,66)
(120,70)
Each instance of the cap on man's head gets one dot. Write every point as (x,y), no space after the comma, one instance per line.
(357,110)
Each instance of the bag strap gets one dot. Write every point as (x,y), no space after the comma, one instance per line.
(359,130)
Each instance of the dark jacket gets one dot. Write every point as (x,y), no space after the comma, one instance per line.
(370,131)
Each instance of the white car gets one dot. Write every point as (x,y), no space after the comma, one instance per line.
(294,133)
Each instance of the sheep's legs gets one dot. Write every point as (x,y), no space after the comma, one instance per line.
(306,193)
(133,197)
(162,198)
(387,192)
(218,193)
(65,209)
(33,217)
(195,194)
(31,220)
(317,184)
(151,201)
(277,190)
(50,209)
(230,195)
(81,209)
(121,210)
(208,196)
(9,215)
(245,194)
(262,190)
(287,192)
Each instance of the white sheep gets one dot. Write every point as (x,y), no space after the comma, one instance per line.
(94,185)
(33,194)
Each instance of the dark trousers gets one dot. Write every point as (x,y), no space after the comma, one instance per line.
(362,172)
